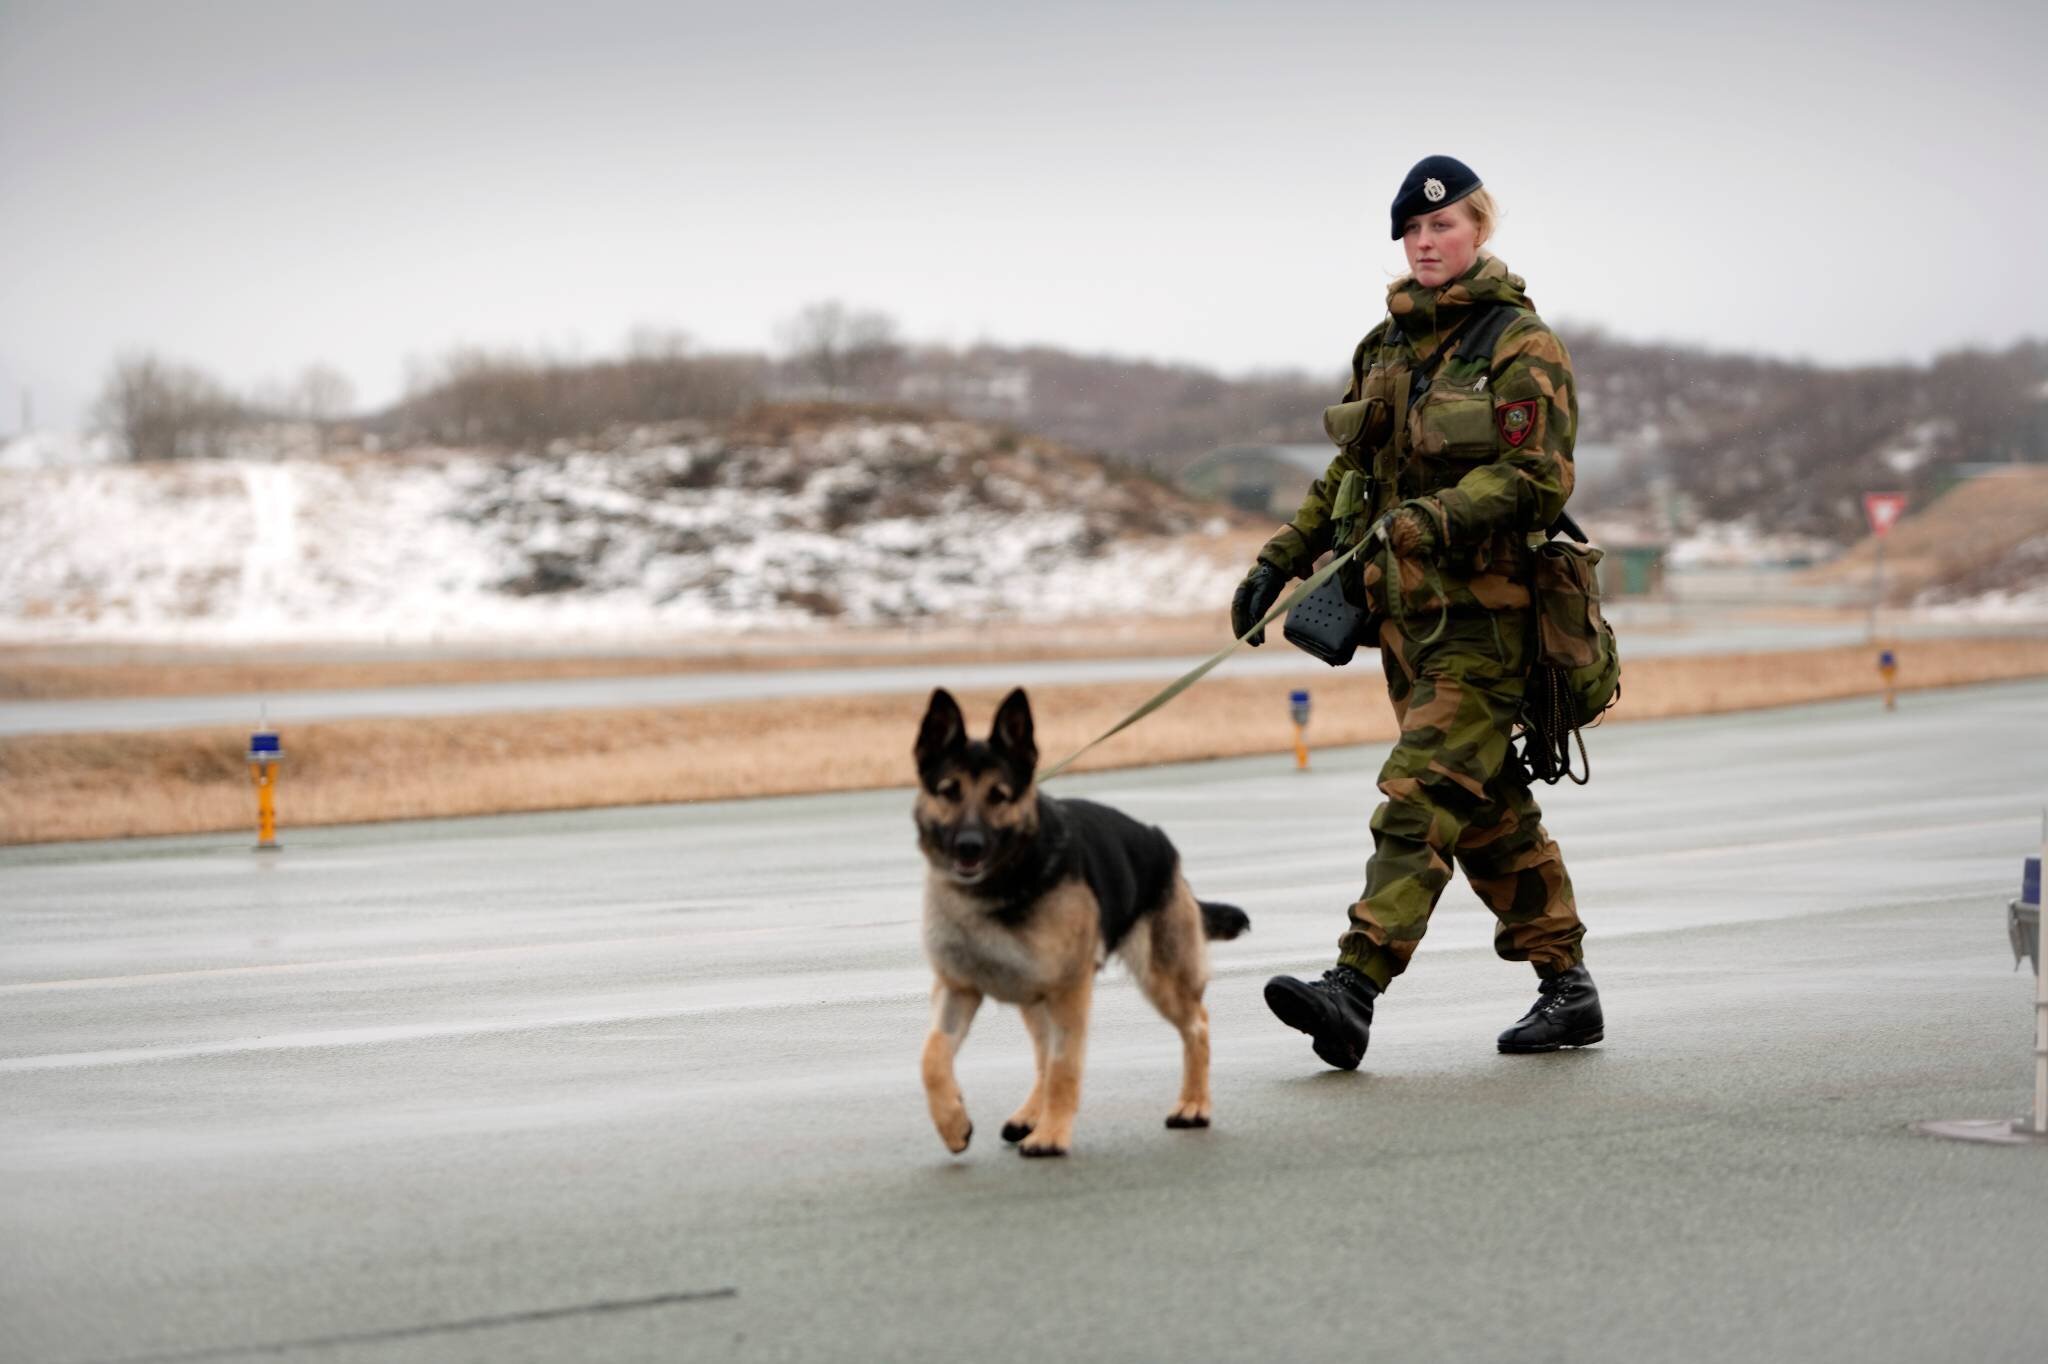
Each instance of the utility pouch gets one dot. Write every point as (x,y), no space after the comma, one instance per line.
(1332,621)
(1344,423)
(1457,423)
(1324,625)
(1575,670)
(1350,519)
(1349,507)
(1357,425)
(1597,685)
(1571,633)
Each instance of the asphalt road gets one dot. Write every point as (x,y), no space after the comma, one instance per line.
(1652,632)
(642,1084)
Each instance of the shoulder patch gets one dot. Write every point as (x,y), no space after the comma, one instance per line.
(1516,420)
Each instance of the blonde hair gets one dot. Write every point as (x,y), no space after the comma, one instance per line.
(1485,212)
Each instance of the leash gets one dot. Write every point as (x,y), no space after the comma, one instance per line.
(1206,666)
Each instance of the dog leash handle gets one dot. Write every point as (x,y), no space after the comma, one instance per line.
(1209,664)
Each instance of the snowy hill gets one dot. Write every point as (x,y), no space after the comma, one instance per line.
(801,517)
(55,449)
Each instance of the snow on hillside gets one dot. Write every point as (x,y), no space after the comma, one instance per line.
(1740,544)
(858,521)
(55,449)
(2013,586)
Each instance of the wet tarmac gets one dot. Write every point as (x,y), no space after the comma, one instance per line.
(642,1085)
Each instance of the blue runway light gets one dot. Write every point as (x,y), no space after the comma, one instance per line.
(1297,706)
(266,756)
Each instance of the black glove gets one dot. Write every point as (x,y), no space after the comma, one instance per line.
(1254,598)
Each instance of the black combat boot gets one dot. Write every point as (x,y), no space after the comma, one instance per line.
(1566,1014)
(1336,1011)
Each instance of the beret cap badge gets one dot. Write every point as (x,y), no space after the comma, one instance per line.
(1434,182)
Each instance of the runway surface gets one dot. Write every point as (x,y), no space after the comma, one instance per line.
(1651,635)
(642,1085)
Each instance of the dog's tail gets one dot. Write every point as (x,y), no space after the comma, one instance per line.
(1223,921)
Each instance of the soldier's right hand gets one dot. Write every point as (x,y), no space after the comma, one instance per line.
(1254,598)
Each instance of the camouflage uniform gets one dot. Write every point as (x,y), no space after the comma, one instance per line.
(1486,455)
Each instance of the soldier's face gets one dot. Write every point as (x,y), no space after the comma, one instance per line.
(1441,245)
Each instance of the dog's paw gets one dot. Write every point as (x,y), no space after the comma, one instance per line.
(957,1134)
(1035,1150)
(1188,1116)
(1014,1131)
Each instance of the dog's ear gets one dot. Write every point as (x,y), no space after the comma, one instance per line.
(943,734)
(1012,735)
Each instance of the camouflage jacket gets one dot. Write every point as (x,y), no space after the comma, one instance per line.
(1487,450)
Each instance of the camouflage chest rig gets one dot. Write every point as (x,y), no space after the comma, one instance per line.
(1411,429)
(1422,424)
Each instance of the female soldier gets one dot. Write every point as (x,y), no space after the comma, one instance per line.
(1457,427)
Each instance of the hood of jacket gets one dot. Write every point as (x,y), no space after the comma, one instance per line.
(1424,315)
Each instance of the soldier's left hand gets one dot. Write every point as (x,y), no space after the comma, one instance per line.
(1254,598)
(1412,532)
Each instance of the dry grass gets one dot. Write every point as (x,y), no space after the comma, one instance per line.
(55,672)
(1967,530)
(189,781)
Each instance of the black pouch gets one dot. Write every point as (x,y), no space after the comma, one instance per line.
(1325,625)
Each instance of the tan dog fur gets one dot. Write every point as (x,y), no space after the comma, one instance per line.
(1046,966)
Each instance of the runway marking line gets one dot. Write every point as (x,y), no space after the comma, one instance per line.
(28,987)
(421,1032)
(596,944)
(415,1032)
(1805,841)
(436,1328)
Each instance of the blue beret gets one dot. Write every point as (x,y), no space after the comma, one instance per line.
(1435,182)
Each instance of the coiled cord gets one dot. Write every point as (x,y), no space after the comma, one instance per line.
(1549,728)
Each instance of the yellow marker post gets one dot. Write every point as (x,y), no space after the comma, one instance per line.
(265,753)
(1888,669)
(1297,705)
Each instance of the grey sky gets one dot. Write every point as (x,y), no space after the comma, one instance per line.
(252,187)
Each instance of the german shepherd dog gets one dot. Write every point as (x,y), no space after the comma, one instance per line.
(1026,897)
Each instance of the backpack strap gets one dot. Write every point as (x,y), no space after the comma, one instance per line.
(1485,334)
(1482,321)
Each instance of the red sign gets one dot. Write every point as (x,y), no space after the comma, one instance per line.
(1883,509)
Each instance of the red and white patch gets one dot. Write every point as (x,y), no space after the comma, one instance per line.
(1516,421)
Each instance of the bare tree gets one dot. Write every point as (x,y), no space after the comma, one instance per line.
(839,349)
(321,395)
(505,399)
(161,410)
(650,342)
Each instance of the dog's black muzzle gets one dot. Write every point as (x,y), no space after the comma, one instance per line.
(969,847)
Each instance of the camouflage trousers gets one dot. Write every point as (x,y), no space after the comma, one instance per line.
(1454,793)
